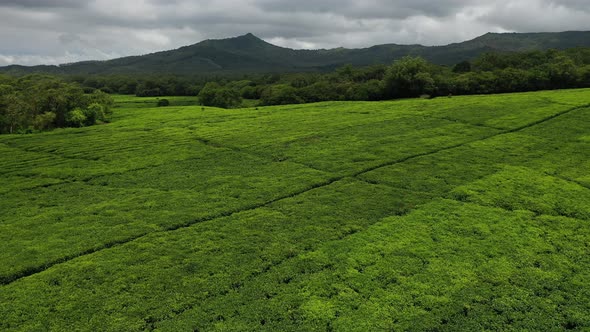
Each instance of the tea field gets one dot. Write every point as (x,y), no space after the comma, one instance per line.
(451,214)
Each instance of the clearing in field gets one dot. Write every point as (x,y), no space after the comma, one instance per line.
(463,213)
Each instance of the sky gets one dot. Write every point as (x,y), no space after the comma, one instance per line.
(62,31)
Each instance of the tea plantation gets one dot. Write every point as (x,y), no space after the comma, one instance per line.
(451,214)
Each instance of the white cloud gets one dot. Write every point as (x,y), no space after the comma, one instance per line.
(538,16)
(55,31)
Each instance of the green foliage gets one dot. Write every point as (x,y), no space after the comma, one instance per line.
(462,67)
(208,92)
(280,95)
(492,72)
(77,117)
(13,113)
(163,102)
(463,213)
(216,95)
(43,102)
(250,92)
(562,72)
(320,91)
(585,75)
(226,98)
(93,113)
(409,77)
(44,121)
(104,100)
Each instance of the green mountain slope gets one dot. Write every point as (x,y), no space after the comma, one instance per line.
(250,54)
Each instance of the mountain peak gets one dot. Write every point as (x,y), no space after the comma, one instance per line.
(248,37)
(247,41)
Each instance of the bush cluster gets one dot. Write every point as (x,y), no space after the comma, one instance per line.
(35,103)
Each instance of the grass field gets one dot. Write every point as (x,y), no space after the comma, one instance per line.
(464,213)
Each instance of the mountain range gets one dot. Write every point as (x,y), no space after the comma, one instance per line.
(250,54)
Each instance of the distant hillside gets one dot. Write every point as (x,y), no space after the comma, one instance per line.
(250,54)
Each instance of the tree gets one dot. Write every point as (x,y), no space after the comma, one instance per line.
(562,72)
(105,101)
(346,72)
(215,95)
(281,94)
(44,121)
(301,80)
(512,80)
(250,92)
(227,98)
(148,88)
(321,91)
(12,113)
(370,90)
(462,67)
(409,77)
(585,76)
(491,61)
(207,93)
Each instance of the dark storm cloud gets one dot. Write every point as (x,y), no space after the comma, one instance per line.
(55,31)
(368,8)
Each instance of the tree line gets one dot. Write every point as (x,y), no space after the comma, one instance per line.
(39,102)
(414,77)
(405,78)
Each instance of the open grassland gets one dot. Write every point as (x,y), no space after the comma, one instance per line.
(463,213)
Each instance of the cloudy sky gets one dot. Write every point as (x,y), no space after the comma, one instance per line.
(62,31)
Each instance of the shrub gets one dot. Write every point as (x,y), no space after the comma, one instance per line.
(163,103)
(94,112)
(104,100)
(76,118)
(280,95)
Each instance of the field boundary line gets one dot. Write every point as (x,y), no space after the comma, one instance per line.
(535,213)
(505,132)
(6,280)
(150,325)
(216,145)
(567,179)
(49,153)
(463,122)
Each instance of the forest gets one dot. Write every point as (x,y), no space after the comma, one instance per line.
(414,77)
(405,78)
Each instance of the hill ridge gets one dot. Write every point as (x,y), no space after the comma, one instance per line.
(250,54)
